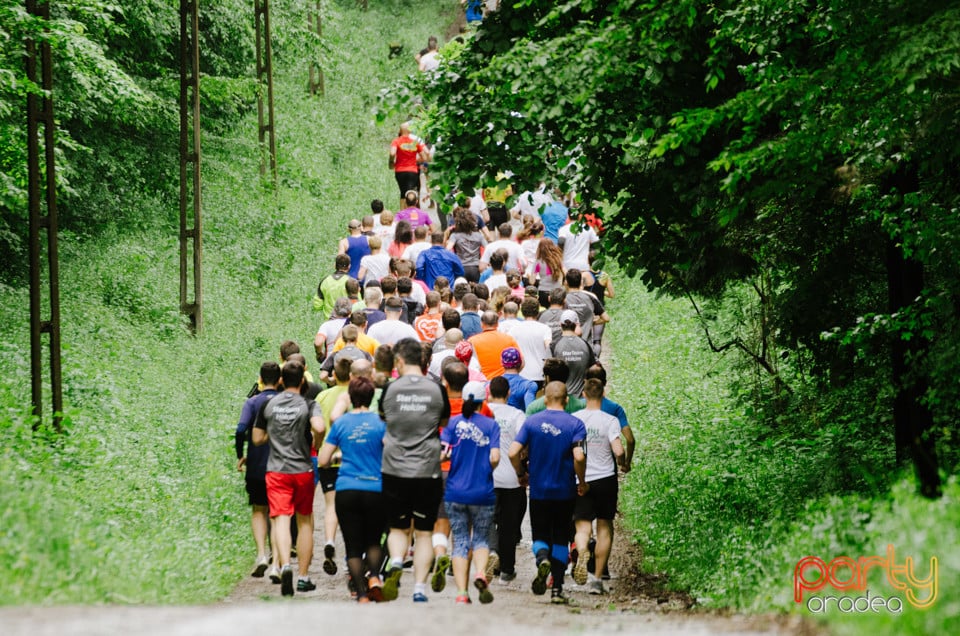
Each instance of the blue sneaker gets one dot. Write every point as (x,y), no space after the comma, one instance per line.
(420,597)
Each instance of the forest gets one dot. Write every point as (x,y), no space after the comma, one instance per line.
(779,184)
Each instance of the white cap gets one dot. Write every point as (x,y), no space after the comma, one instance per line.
(568,315)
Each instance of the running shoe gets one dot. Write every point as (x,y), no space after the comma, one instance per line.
(329,565)
(375,589)
(261,567)
(480,582)
(286,581)
(351,586)
(557,597)
(580,569)
(507,577)
(493,566)
(274,574)
(306,585)
(438,580)
(539,585)
(463,599)
(420,597)
(391,585)
(596,587)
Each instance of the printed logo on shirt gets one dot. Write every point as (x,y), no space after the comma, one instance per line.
(550,429)
(467,430)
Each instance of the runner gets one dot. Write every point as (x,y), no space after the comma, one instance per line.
(604,453)
(358,435)
(291,425)
(472,441)
(511,494)
(414,409)
(555,442)
(255,463)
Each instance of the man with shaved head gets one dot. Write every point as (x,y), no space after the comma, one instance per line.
(554,441)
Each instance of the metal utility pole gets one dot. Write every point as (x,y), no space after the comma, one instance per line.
(268,143)
(40,113)
(190,238)
(315,23)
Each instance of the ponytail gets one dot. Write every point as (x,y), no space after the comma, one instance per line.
(470,406)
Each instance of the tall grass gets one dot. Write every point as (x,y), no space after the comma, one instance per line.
(726,507)
(139,501)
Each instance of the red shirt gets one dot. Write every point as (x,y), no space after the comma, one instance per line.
(407,150)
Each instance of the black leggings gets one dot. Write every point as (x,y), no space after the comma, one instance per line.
(362,523)
(408,181)
(550,522)
(508,516)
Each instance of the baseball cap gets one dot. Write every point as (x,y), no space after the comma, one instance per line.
(568,315)
(510,358)
(463,351)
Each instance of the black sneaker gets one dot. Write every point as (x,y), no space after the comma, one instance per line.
(539,585)
(329,565)
(286,581)
(557,597)
(306,585)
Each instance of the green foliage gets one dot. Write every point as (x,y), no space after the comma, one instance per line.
(146,474)
(724,143)
(730,489)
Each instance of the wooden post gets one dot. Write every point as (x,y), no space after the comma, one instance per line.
(190,184)
(266,131)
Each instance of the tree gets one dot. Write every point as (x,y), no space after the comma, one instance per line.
(798,141)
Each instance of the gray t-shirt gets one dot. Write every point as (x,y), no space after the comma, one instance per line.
(467,247)
(551,318)
(286,419)
(579,356)
(582,303)
(413,407)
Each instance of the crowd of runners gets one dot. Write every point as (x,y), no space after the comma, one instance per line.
(458,392)
(459,381)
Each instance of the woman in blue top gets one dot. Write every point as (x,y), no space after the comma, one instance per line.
(359,436)
(472,442)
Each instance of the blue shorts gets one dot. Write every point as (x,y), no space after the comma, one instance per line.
(470,526)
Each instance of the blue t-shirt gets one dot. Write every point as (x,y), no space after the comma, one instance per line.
(470,480)
(359,436)
(549,437)
(522,391)
(257,456)
(610,407)
(554,217)
(470,324)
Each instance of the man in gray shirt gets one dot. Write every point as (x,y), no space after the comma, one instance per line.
(414,408)
(573,350)
(292,425)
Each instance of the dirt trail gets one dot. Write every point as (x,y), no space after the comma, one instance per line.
(256,607)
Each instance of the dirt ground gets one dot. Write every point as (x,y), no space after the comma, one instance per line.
(633,605)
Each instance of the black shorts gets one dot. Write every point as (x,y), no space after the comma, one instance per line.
(257,492)
(406,498)
(408,181)
(600,502)
(328,478)
(498,214)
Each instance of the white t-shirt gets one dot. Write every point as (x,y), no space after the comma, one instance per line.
(413,250)
(510,420)
(429,61)
(497,280)
(576,247)
(529,203)
(385,232)
(331,329)
(514,251)
(377,266)
(534,339)
(602,429)
(391,331)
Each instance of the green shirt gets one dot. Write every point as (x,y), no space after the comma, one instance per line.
(574,404)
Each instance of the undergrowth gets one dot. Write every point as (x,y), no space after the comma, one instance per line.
(726,502)
(138,501)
